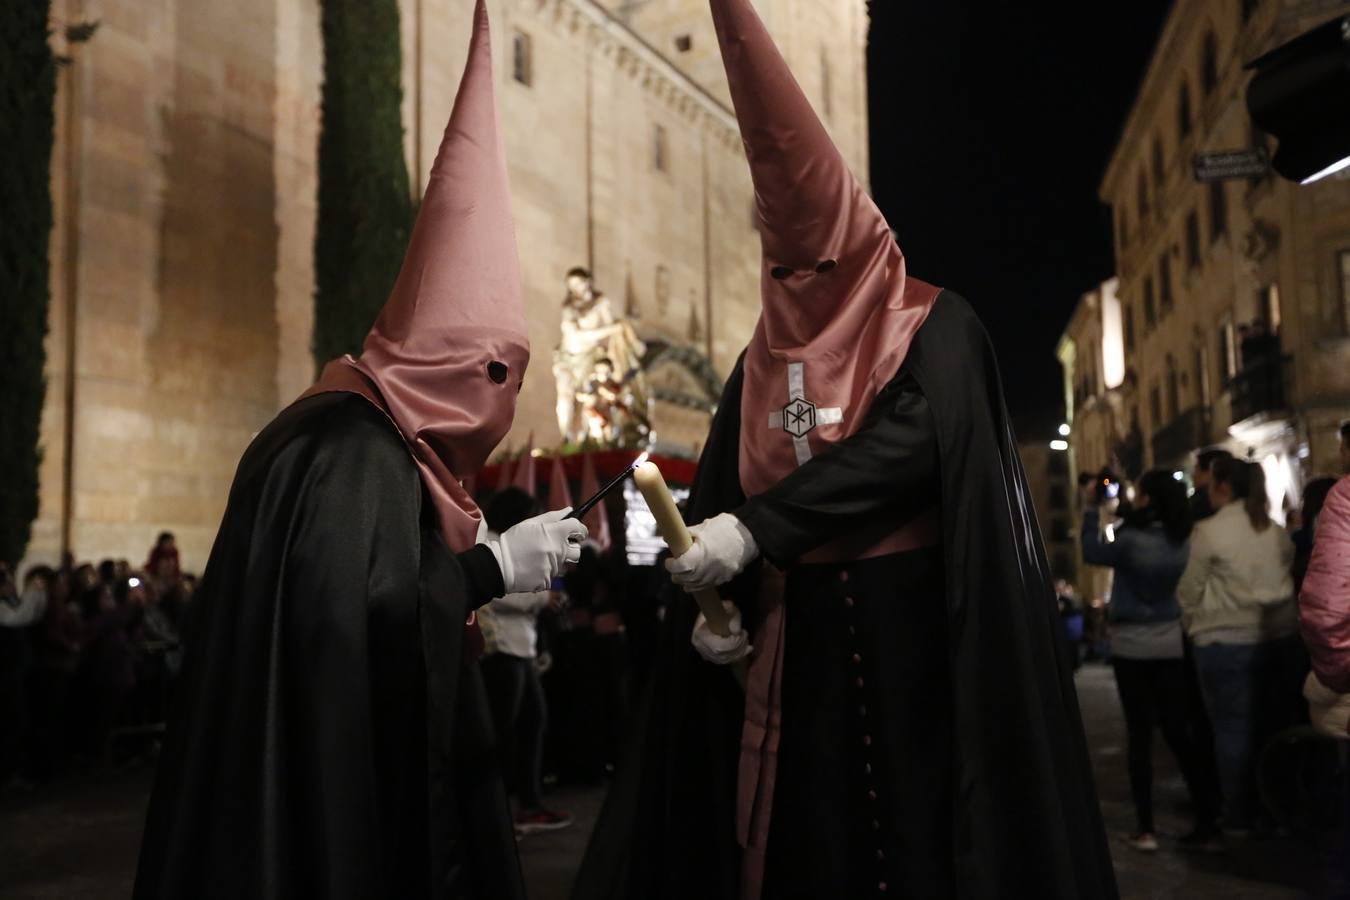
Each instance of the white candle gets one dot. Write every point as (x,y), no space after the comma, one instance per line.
(671,526)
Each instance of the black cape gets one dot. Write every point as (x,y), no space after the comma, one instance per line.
(328,738)
(1025,819)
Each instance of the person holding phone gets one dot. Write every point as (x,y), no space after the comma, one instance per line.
(1148,553)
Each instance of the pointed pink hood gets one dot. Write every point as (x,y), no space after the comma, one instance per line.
(838,312)
(447,355)
(837,317)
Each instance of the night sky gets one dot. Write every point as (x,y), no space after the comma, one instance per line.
(991,130)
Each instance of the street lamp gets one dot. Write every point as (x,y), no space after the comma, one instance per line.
(1059,445)
(1300,94)
(1064,430)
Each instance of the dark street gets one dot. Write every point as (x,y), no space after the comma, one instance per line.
(78,839)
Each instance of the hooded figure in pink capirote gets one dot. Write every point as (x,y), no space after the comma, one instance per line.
(909,726)
(331,736)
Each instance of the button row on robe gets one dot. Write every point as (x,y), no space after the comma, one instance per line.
(861,684)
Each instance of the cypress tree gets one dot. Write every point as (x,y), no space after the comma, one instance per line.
(365,212)
(27,99)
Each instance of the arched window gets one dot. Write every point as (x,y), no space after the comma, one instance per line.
(1143,198)
(1158,165)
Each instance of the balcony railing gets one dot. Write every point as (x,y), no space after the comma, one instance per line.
(1260,389)
(1174,441)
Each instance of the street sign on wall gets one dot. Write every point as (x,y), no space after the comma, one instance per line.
(1228,164)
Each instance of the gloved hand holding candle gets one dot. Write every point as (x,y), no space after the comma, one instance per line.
(716,617)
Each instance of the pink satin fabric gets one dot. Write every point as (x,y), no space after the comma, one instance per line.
(458,307)
(760,735)
(851,323)
(1324,604)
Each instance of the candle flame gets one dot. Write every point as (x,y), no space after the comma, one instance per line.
(642,458)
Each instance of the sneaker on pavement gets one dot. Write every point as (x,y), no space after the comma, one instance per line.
(537,820)
(1144,842)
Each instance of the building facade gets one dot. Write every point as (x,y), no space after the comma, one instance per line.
(184,186)
(1234,295)
(1098,393)
(1048,481)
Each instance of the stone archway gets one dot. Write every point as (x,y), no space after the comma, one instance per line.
(684,389)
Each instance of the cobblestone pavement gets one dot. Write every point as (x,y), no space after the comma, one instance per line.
(78,839)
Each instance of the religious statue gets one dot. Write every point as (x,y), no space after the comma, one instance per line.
(602,391)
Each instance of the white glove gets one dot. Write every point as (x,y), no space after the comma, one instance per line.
(533,552)
(721,650)
(722,548)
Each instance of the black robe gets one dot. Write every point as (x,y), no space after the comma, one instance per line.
(979,764)
(329,738)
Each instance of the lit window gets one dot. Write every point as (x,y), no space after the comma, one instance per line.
(1270,303)
(1227,349)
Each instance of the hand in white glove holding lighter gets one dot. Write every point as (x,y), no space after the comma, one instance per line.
(533,552)
(722,650)
(722,548)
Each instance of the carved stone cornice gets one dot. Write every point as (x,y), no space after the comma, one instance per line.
(639,61)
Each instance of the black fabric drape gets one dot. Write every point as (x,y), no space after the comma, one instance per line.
(1025,819)
(328,738)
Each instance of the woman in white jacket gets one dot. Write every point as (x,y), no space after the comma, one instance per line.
(1237,604)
